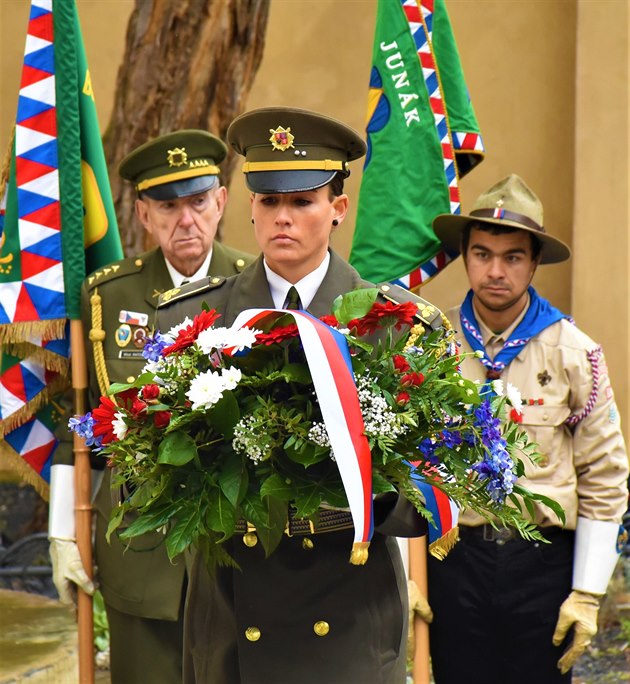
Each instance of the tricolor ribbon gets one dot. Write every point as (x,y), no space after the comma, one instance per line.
(443,531)
(328,358)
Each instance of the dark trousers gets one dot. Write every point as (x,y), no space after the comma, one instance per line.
(496,606)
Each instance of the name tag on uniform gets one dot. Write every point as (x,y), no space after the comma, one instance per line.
(129,354)
(133,318)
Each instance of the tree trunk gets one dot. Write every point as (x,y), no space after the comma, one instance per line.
(187,64)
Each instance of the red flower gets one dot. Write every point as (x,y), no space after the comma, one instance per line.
(277,334)
(161,418)
(412,379)
(400,363)
(516,416)
(402,398)
(188,335)
(150,392)
(137,407)
(330,320)
(381,315)
(103,416)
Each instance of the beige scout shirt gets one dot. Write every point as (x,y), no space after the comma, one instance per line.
(562,373)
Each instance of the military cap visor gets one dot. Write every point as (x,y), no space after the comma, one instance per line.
(292,150)
(178,164)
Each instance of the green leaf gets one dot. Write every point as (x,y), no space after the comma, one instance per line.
(225,414)
(149,522)
(269,515)
(221,514)
(117,515)
(233,478)
(177,449)
(182,534)
(276,486)
(354,304)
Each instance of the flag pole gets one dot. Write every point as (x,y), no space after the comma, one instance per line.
(83,509)
(418,573)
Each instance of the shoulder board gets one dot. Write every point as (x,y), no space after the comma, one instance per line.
(429,314)
(197,287)
(117,269)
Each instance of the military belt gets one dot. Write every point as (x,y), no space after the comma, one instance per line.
(328,520)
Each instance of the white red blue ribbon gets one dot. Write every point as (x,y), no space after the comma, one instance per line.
(328,358)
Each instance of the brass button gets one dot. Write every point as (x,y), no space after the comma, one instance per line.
(215,280)
(307,544)
(385,288)
(250,539)
(321,628)
(138,262)
(252,634)
(545,416)
(240,263)
(131,379)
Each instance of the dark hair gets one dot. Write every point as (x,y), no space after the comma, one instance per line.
(497,230)
(335,186)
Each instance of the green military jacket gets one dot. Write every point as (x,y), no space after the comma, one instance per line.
(118,304)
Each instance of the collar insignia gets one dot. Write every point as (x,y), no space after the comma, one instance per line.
(281,139)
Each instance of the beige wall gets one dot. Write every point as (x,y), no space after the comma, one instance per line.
(548,80)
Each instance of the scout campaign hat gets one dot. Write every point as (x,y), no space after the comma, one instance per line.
(508,203)
(178,164)
(292,150)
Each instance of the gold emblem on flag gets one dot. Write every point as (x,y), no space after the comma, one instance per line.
(281,138)
(177,157)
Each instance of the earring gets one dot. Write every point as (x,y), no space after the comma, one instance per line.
(335,222)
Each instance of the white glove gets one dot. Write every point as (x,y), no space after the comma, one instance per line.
(579,611)
(68,570)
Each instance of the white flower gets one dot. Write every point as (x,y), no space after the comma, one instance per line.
(174,331)
(119,426)
(213,339)
(514,396)
(497,387)
(205,390)
(243,337)
(231,377)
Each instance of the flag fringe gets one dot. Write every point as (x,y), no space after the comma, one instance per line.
(47,330)
(440,547)
(26,412)
(359,554)
(13,462)
(49,360)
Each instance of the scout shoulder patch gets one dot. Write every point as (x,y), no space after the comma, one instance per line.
(176,294)
(429,314)
(118,269)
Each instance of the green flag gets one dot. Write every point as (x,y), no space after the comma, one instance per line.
(422,136)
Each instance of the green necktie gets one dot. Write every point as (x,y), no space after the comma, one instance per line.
(293,299)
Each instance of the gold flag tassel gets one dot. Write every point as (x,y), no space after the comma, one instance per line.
(359,553)
(440,547)
(13,462)
(50,361)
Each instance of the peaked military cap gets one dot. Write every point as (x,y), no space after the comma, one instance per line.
(292,150)
(178,164)
(509,203)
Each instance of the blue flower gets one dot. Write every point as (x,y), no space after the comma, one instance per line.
(83,426)
(153,347)
(451,439)
(427,448)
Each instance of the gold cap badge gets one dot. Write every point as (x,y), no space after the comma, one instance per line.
(177,156)
(281,138)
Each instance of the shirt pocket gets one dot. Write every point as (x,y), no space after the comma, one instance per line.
(546,427)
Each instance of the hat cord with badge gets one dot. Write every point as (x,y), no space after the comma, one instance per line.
(511,203)
(292,150)
(178,164)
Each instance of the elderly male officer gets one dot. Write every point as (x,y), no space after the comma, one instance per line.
(507,610)
(180,203)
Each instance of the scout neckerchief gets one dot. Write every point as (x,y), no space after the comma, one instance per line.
(540,315)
